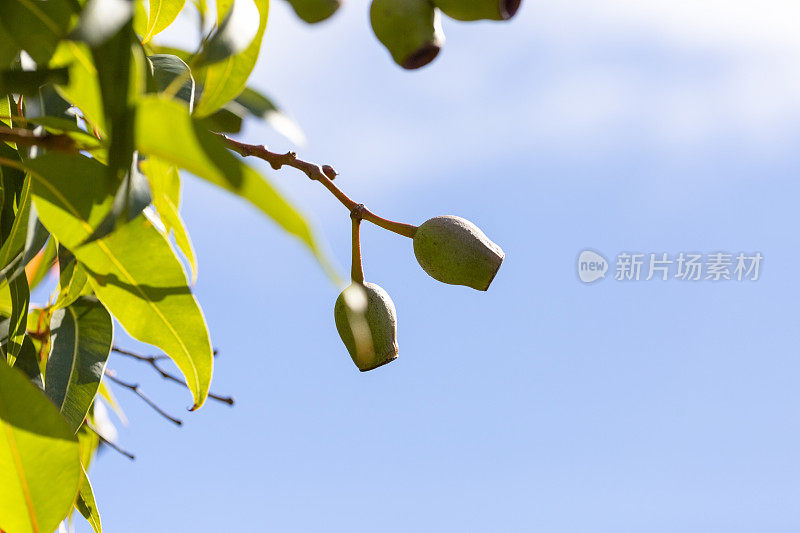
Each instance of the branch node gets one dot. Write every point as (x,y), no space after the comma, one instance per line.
(357,213)
(329,172)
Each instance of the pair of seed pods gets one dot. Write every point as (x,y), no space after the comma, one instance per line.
(451,250)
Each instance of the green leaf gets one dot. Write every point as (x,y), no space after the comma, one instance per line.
(15,241)
(72,282)
(189,145)
(226,79)
(114,61)
(37,25)
(28,82)
(162,14)
(20,297)
(227,119)
(134,271)
(139,17)
(25,239)
(40,265)
(8,48)
(166,68)
(12,180)
(131,198)
(28,363)
(63,125)
(87,506)
(111,400)
(5,112)
(40,469)
(239,29)
(82,335)
(166,187)
(83,89)
(39,334)
(262,107)
(180,53)
(88,442)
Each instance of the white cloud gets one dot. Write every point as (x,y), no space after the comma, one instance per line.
(561,76)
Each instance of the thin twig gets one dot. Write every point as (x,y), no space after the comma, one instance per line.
(324,174)
(135,388)
(153,360)
(356,268)
(110,444)
(140,357)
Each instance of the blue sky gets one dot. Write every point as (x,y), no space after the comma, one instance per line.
(543,404)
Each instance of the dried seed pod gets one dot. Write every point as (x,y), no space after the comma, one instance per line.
(478,9)
(410,29)
(455,251)
(313,11)
(367,323)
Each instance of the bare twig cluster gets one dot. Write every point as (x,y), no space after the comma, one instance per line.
(153,360)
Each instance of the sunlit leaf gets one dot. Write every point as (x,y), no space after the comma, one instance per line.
(38,267)
(225,80)
(166,187)
(88,443)
(83,90)
(239,28)
(5,113)
(87,506)
(189,145)
(133,271)
(139,17)
(40,469)
(162,14)
(20,297)
(82,335)
(39,334)
(111,400)
(72,282)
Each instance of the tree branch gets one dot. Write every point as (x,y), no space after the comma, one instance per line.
(153,360)
(60,142)
(324,174)
(136,390)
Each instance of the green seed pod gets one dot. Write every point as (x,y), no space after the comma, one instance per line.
(478,9)
(367,323)
(453,250)
(313,11)
(410,29)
